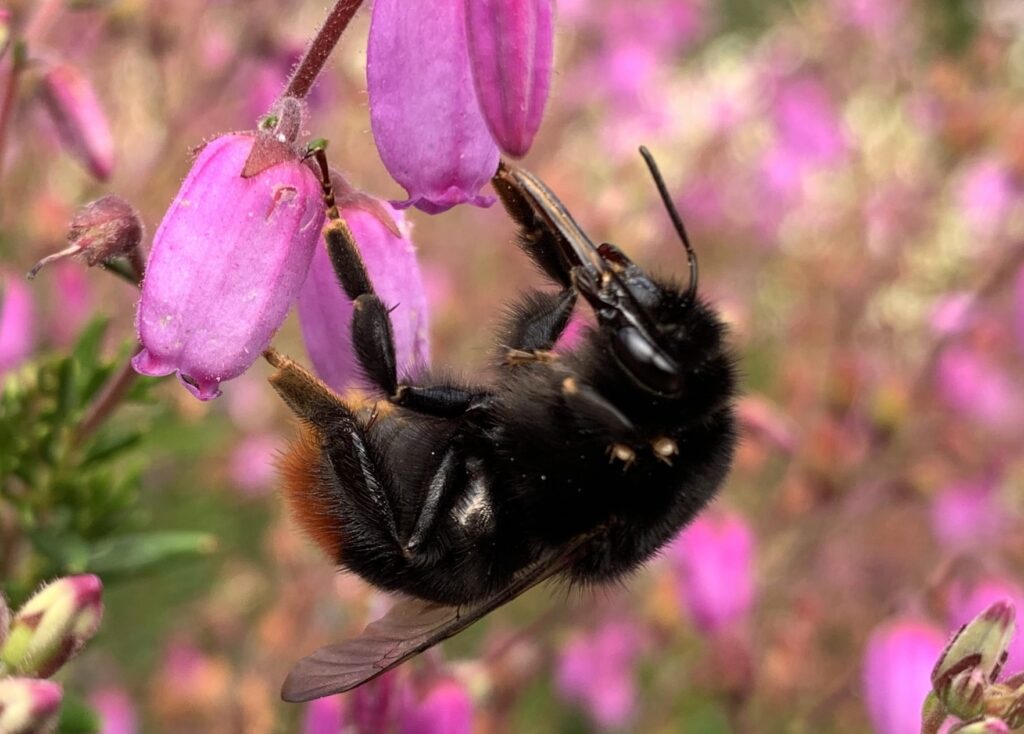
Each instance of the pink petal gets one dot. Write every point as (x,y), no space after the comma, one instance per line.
(428,126)
(897,670)
(445,709)
(511,47)
(325,312)
(17,322)
(228,260)
(714,559)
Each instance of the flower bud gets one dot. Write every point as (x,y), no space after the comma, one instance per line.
(325,312)
(714,560)
(981,643)
(28,706)
(897,661)
(53,626)
(424,113)
(100,231)
(78,115)
(965,694)
(17,322)
(445,709)
(227,261)
(511,47)
(987,725)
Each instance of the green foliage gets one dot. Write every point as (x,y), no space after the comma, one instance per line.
(72,494)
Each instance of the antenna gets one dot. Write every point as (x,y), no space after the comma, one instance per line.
(677,221)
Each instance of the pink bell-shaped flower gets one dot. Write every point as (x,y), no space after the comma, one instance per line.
(228,259)
(511,47)
(325,312)
(78,115)
(424,113)
(714,558)
(445,709)
(898,663)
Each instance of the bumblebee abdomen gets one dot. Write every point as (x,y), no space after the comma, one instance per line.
(312,506)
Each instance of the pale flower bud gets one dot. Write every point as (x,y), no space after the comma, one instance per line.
(53,626)
(28,706)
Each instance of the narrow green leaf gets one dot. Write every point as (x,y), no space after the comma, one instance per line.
(135,553)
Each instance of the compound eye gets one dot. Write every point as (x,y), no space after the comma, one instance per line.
(645,362)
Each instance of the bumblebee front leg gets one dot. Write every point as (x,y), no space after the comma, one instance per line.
(372,336)
(533,326)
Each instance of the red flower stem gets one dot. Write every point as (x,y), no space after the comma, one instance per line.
(306,73)
(112,394)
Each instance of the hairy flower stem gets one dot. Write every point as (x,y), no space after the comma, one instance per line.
(306,73)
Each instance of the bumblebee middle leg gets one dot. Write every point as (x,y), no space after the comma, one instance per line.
(373,339)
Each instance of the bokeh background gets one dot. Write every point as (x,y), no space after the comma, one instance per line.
(851,173)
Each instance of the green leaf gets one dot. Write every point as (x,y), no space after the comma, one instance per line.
(77,717)
(128,554)
(87,349)
(110,444)
(66,550)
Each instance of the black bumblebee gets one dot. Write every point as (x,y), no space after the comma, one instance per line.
(580,465)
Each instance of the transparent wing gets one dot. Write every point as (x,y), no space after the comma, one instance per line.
(409,627)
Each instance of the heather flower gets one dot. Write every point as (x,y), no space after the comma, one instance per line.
(874,16)
(228,259)
(116,710)
(28,706)
(323,716)
(596,671)
(713,558)
(251,464)
(379,705)
(78,116)
(985,193)
(446,708)
(966,601)
(953,313)
(898,663)
(973,385)
(424,113)
(966,514)
(17,322)
(511,46)
(325,312)
(53,625)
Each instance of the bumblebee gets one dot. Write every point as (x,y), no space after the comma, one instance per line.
(579,465)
